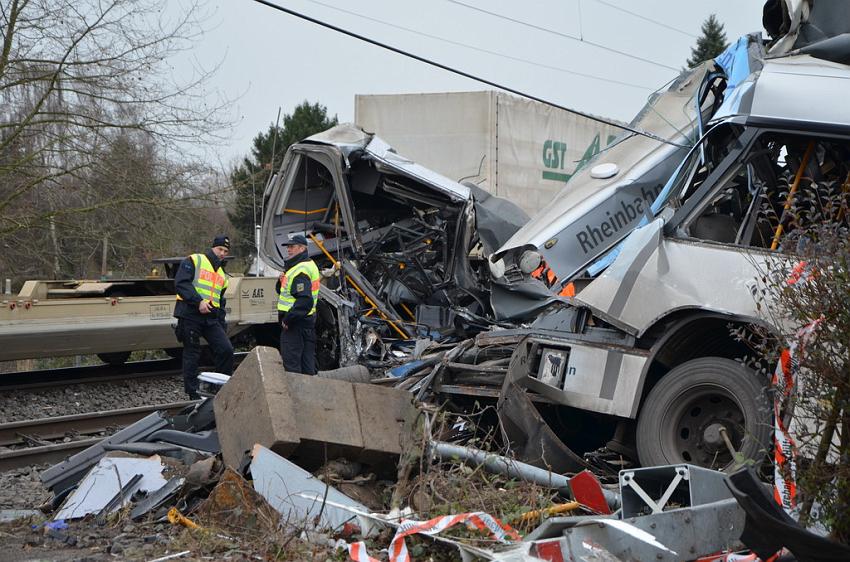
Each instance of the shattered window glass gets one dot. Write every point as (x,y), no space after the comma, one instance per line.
(785,180)
(310,197)
(701,161)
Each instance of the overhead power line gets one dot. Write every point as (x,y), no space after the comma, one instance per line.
(465,74)
(561,34)
(481,49)
(644,18)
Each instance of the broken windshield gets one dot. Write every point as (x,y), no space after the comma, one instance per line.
(703,158)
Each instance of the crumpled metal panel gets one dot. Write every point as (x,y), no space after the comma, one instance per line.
(808,24)
(520,299)
(678,534)
(386,155)
(496,219)
(654,276)
(783,82)
(530,437)
(345,136)
(796,12)
(301,498)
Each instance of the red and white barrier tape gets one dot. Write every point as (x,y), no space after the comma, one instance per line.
(357,552)
(800,273)
(398,548)
(740,557)
(784,382)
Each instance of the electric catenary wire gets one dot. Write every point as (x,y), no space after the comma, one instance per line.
(465,74)
(481,49)
(560,34)
(650,20)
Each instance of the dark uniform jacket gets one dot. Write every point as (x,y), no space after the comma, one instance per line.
(188,307)
(301,290)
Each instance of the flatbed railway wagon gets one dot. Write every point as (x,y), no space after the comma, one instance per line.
(114,318)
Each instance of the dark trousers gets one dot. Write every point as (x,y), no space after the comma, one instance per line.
(213,331)
(298,346)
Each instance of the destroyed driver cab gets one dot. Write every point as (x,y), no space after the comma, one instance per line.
(409,244)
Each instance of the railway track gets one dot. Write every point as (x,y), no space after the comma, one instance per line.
(31,442)
(94,374)
(39,432)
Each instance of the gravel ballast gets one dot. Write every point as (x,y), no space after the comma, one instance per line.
(18,405)
(22,489)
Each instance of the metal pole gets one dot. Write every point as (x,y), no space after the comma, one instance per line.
(8,286)
(513,469)
(790,199)
(103,256)
(261,269)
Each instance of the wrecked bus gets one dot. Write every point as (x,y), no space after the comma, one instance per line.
(649,336)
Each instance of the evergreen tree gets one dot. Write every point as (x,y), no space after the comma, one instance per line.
(710,44)
(249,178)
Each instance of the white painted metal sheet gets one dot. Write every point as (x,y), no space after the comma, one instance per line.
(654,276)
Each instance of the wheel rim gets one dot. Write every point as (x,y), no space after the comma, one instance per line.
(693,425)
(327,347)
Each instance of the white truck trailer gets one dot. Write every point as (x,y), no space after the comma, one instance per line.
(515,148)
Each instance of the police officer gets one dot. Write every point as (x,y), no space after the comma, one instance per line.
(200,311)
(296,308)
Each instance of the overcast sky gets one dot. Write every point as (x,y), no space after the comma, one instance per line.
(269,59)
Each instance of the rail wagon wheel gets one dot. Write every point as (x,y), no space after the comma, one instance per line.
(115,358)
(327,338)
(685,416)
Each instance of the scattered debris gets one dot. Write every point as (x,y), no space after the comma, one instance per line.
(7,515)
(294,496)
(111,484)
(302,499)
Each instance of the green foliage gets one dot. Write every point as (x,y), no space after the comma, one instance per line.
(813,283)
(95,178)
(249,178)
(710,44)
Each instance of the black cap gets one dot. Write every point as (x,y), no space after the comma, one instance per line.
(297,239)
(221,240)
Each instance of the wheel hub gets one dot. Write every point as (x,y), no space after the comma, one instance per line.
(712,436)
(699,422)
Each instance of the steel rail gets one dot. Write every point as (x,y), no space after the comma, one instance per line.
(15,433)
(96,373)
(20,458)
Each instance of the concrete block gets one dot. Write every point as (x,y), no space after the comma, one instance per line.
(255,406)
(386,417)
(308,419)
(326,415)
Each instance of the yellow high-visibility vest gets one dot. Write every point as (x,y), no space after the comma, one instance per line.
(209,283)
(286,300)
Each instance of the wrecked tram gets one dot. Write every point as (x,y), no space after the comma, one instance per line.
(606,322)
(411,246)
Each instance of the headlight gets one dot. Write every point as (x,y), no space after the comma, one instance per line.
(529,261)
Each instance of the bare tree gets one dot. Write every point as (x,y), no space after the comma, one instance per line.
(83,82)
